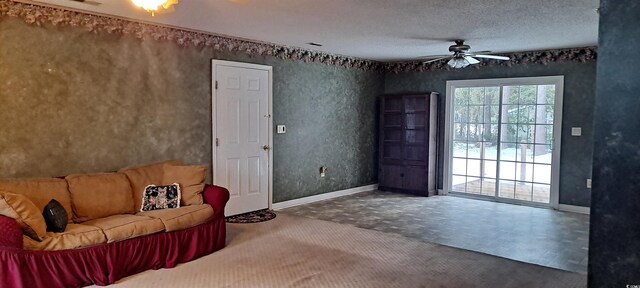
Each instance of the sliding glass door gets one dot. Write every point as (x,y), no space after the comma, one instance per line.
(502,138)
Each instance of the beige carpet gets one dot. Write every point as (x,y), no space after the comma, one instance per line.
(291,251)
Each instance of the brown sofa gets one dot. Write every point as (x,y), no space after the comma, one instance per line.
(104,213)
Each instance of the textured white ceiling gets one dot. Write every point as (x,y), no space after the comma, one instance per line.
(386,30)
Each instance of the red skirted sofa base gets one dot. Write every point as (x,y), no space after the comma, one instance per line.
(105,264)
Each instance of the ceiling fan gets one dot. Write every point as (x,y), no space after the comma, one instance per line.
(94,3)
(462,57)
(239,1)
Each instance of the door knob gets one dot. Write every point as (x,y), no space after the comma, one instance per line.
(266,148)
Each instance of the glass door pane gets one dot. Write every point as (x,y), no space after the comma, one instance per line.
(475,140)
(526,142)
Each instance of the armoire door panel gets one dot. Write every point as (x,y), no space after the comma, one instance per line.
(415,178)
(392,151)
(392,177)
(415,153)
(415,136)
(393,120)
(392,105)
(413,104)
(415,120)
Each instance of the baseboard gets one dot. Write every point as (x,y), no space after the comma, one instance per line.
(574,209)
(324,196)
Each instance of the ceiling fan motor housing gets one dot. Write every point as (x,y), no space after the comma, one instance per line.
(460,47)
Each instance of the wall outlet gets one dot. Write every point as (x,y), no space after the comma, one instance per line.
(281,129)
(589,183)
(323,171)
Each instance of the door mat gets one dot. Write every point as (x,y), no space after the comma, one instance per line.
(252,217)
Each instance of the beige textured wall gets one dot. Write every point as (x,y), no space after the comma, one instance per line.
(72,101)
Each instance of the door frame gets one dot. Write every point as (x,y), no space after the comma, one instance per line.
(214,96)
(558,81)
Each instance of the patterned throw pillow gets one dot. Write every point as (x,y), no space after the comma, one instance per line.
(55,216)
(161,197)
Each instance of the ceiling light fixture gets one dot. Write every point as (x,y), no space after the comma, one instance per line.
(458,62)
(462,57)
(153,6)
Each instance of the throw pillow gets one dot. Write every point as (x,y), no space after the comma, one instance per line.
(26,213)
(161,197)
(55,216)
(141,176)
(191,180)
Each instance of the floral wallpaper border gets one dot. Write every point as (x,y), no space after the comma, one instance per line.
(584,54)
(39,15)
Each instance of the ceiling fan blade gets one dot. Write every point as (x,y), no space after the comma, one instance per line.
(471,60)
(433,57)
(437,59)
(479,52)
(94,3)
(491,57)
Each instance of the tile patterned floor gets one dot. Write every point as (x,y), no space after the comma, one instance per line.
(521,191)
(534,235)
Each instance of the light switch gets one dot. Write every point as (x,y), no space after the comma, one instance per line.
(281,129)
(576,131)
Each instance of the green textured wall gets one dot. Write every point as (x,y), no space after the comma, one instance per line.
(579,94)
(72,101)
(614,235)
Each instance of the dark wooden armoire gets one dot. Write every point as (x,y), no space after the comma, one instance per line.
(408,137)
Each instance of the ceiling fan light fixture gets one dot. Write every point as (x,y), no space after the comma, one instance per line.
(153,6)
(458,62)
(462,57)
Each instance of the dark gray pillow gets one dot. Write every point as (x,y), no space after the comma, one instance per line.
(55,216)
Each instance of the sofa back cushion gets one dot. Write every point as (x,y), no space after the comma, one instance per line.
(142,176)
(21,209)
(96,196)
(40,191)
(191,181)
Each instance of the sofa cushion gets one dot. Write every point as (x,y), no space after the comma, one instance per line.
(76,236)
(40,191)
(20,208)
(191,180)
(55,216)
(123,227)
(96,196)
(161,197)
(142,176)
(183,217)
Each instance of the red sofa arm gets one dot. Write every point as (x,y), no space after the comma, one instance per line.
(10,233)
(217,197)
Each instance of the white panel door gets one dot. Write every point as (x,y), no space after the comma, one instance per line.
(241,137)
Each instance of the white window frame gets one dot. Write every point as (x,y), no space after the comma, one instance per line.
(558,81)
